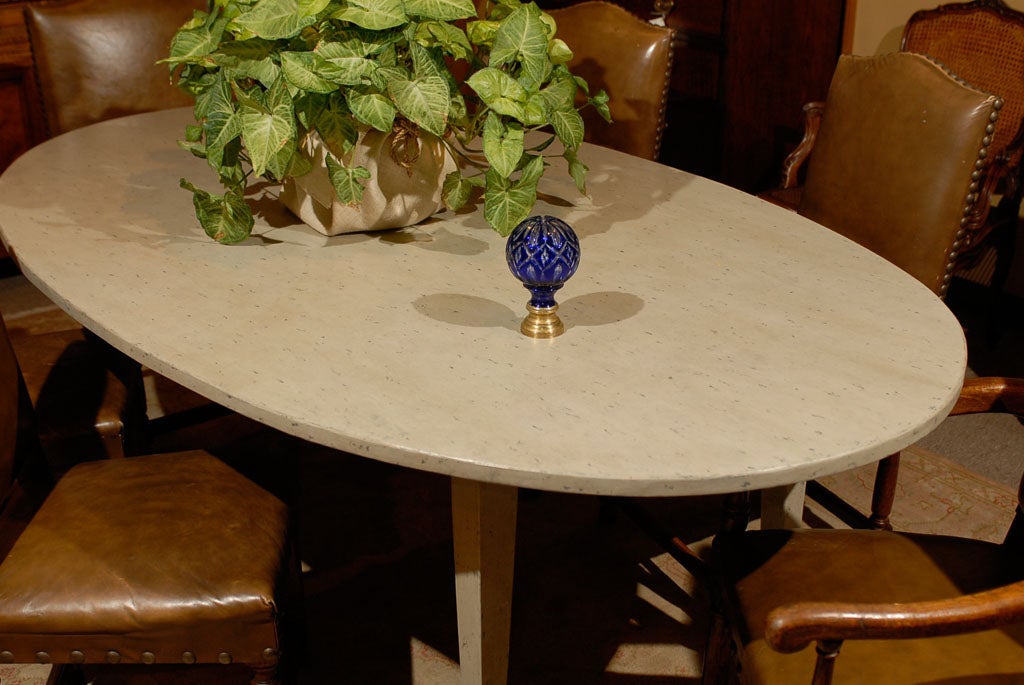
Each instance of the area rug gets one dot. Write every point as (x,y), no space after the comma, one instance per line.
(934,495)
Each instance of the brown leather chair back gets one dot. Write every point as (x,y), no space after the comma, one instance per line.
(629,58)
(96,59)
(892,167)
(983,43)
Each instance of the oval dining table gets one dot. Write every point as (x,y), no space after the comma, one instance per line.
(714,343)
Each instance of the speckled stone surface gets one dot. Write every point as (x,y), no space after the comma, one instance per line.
(713,342)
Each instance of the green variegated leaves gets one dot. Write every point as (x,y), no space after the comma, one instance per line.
(267,73)
(225,218)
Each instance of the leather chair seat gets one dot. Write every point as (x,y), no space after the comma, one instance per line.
(768,569)
(137,553)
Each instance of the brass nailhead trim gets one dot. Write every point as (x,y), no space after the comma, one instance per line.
(113,657)
(148,658)
(224,658)
(188,658)
(42,657)
(6,657)
(77,657)
(270,653)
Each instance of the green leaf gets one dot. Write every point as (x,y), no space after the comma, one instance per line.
(456,190)
(346,181)
(559,52)
(568,125)
(444,10)
(577,169)
(195,44)
(222,123)
(426,63)
(449,38)
(600,102)
(273,19)
(225,218)
(499,91)
(302,70)
(560,93)
(482,33)
(373,14)
(249,59)
(337,130)
(506,204)
(503,145)
(533,169)
(423,101)
(348,71)
(311,8)
(266,132)
(371,107)
(523,38)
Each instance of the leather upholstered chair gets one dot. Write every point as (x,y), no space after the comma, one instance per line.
(95,60)
(630,59)
(894,607)
(164,559)
(899,183)
(982,41)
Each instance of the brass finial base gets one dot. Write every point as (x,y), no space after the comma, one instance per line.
(542,322)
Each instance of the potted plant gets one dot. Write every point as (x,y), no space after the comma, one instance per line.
(272,78)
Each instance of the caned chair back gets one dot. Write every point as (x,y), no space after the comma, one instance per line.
(983,43)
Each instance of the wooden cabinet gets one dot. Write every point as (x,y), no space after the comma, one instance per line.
(742,71)
(21,118)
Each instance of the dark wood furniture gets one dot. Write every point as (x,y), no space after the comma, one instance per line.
(21,119)
(738,67)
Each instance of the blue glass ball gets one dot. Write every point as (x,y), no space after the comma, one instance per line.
(543,252)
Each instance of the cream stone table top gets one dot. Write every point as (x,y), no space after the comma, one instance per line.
(714,342)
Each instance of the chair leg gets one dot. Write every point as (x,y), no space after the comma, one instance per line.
(736,514)
(827,651)
(884,492)
(264,674)
(718,653)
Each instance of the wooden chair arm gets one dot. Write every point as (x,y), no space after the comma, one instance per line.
(991,393)
(793,627)
(812,123)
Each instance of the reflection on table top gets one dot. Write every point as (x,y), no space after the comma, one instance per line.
(714,342)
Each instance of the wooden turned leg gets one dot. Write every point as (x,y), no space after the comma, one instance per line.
(737,512)
(264,674)
(827,651)
(718,654)
(884,492)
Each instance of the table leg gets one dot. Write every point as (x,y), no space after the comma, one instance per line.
(783,506)
(484,527)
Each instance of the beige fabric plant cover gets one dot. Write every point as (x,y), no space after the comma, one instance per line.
(393,197)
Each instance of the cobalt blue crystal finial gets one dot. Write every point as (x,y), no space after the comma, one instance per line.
(543,252)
